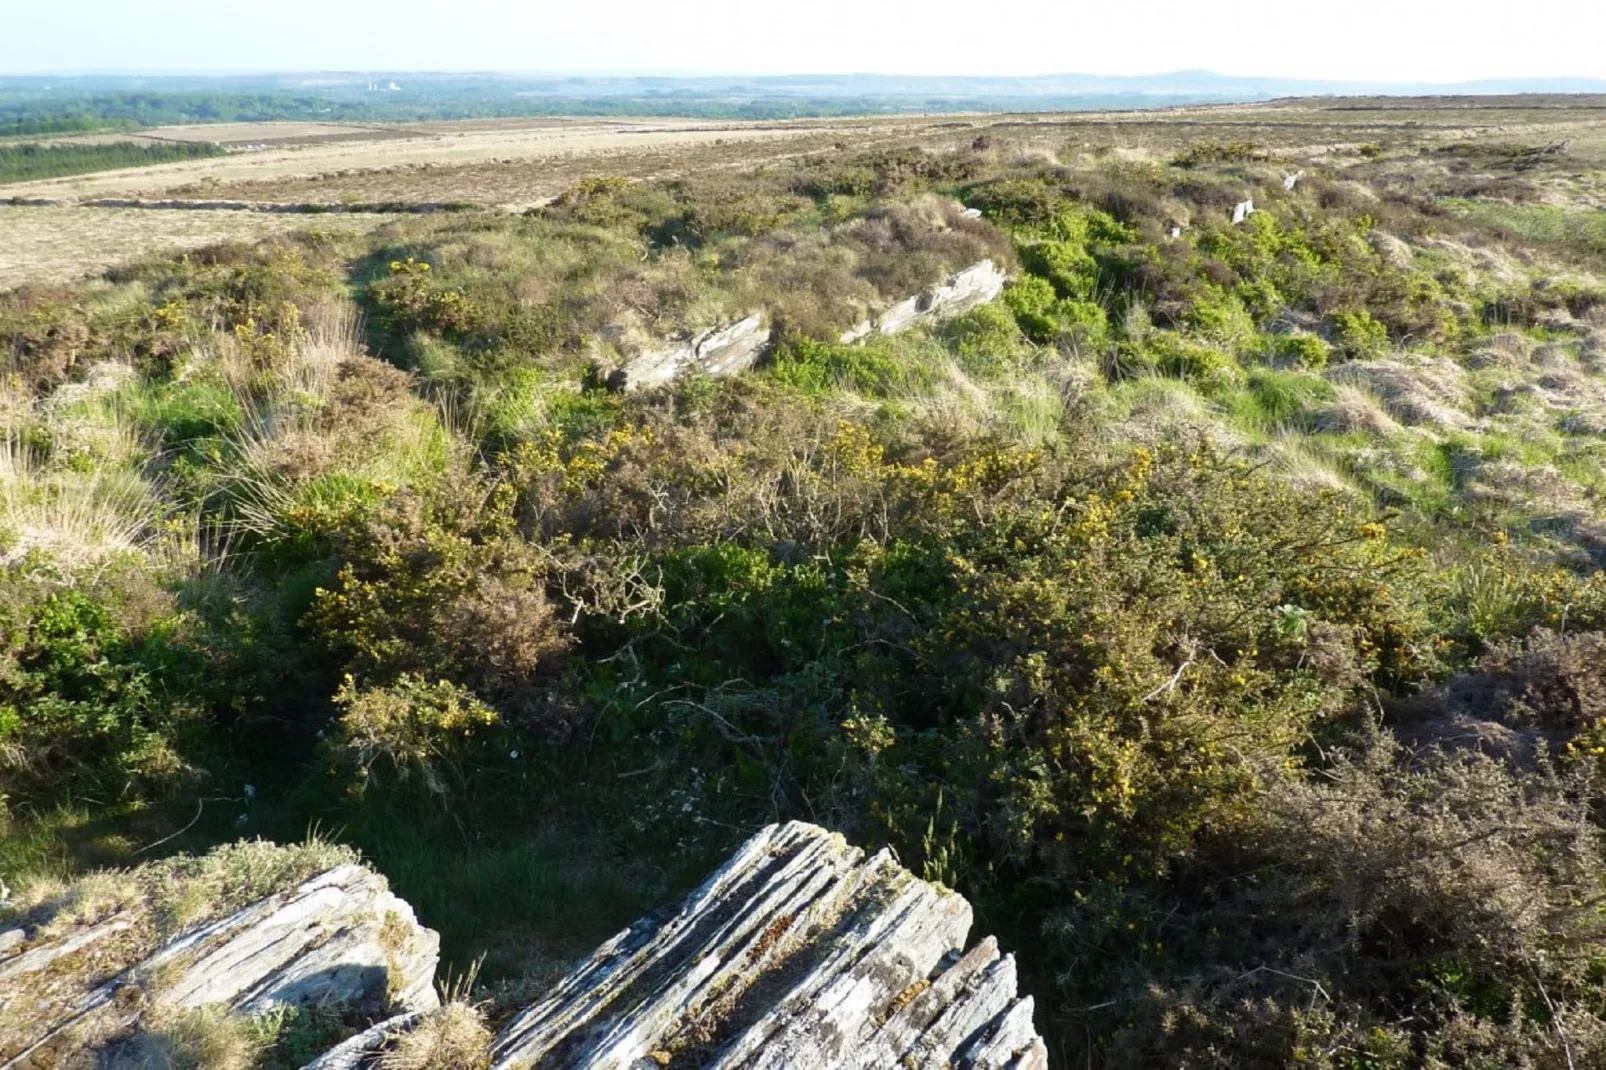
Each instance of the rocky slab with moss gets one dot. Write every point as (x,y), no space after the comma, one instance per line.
(723,350)
(337,937)
(799,952)
(954,296)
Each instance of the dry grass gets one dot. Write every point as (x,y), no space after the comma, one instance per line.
(444,145)
(207,1038)
(451,1038)
(1418,391)
(59,244)
(79,518)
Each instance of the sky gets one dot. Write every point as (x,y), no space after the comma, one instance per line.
(1368,40)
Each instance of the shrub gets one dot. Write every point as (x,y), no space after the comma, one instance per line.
(1301,350)
(1185,358)
(412,725)
(87,696)
(1205,153)
(986,340)
(444,587)
(1440,884)
(1358,335)
(412,302)
(1221,318)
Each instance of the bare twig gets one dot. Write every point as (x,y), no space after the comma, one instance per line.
(1169,685)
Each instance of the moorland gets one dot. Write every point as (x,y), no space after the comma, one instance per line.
(1221,609)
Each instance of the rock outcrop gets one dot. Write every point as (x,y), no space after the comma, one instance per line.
(800,952)
(735,347)
(958,294)
(337,938)
(723,350)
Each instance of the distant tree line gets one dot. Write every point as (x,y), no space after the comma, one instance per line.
(30,114)
(29,161)
(75,124)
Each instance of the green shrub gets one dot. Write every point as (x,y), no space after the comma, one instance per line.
(1221,318)
(88,699)
(440,586)
(985,340)
(1180,357)
(1301,350)
(1358,335)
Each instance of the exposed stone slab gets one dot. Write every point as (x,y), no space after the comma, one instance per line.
(338,938)
(723,350)
(959,293)
(799,952)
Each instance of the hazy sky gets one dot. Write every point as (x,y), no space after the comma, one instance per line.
(1417,40)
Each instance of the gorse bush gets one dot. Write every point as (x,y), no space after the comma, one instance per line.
(108,690)
(414,726)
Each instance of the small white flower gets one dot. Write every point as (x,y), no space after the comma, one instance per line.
(513,754)
(250,792)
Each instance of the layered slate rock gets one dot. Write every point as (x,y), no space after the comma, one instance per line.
(339,938)
(956,295)
(718,351)
(800,952)
(734,347)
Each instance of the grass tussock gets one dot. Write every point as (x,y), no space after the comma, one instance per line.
(454,1037)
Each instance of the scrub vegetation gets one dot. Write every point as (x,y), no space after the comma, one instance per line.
(1220,610)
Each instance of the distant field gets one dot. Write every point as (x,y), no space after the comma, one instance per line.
(281,133)
(356,158)
(514,162)
(58,244)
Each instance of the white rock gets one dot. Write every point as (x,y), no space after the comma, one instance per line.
(723,350)
(340,937)
(956,295)
(1242,211)
(800,952)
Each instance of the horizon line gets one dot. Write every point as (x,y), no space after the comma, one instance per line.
(198,73)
